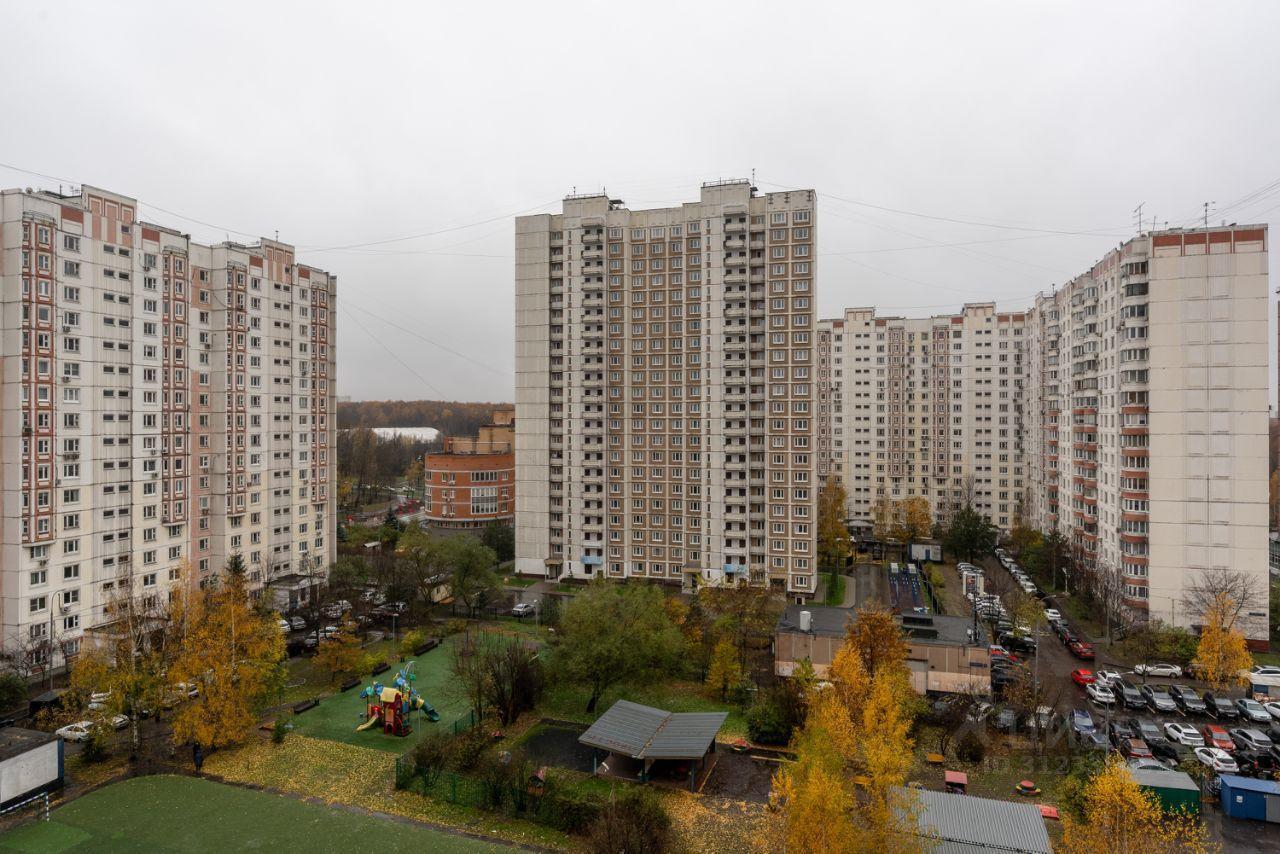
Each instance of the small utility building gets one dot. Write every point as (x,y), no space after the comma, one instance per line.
(963,824)
(644,743)
(1245,797)
(30,763)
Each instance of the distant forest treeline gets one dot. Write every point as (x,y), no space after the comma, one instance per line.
(450,417)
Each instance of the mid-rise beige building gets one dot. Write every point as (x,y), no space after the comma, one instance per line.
(1147,416)
(665,390)
(925,407)
(164,403)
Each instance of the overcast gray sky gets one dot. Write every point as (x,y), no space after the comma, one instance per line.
(341,124)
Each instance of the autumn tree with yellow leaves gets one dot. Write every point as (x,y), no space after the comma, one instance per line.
(1122,818)
(340,654)
(725,672)
(232,652)
(843,792)
(834,544)
(1221,654)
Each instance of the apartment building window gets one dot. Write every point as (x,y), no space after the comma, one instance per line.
(38,603)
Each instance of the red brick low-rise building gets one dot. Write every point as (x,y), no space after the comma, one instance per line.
(472,483)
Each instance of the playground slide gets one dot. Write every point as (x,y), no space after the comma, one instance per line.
(373,719)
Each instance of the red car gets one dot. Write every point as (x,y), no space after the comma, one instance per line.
(1082,677)
(1216,736)
(1080,649)
(997,651)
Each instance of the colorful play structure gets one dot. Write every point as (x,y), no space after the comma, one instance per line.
(391,704)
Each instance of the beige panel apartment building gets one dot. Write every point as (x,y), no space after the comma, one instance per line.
(925,407)
(164,403)
(1147,419)
(665,390)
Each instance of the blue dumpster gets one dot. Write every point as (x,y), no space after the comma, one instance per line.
(1245,797)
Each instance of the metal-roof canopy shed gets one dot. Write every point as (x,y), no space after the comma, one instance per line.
(963,824)
(648,734)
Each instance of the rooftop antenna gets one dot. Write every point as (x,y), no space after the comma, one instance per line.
(1138,211)
(1206,214)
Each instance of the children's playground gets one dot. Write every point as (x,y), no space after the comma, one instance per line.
(386,711)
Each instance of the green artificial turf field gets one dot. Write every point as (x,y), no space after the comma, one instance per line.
(184,814)
(337,717)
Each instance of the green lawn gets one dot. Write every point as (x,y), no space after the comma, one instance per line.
(337,717)
(835,591)
(184,814)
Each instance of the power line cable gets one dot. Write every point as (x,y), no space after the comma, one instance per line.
(390,353)
(436,344)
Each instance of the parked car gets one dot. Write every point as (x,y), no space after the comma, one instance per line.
(1017,642)
(979,712)
(1119,732)
(1221,708)
(1256,763)
(328,631)
(1135,748)
(1219,760)
(1052,614)
(1158,699)
(119,721)
(98,700)
(1170,670)
(1265,670)
(1006,720)
(1184,734)
(1273,709)
(1082,677)
(1081,722)
(78,731)
(283,625)
(1081,649)
(1250,738)
(1106,677)
(1147,765)
(1061,630)
(995,650)
(1146,730)
(1129,695)
(1166,751)
(1187,700)
(1100,694)
(1216,736)
(1251,710)
(522,609)
(297,623)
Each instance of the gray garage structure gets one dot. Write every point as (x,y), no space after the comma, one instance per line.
(645,743)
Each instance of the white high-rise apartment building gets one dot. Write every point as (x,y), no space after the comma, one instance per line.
(928,407)
(164,403)
(1128,410)
(665,390)
(1147,416)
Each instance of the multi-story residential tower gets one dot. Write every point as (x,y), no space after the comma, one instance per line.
(1147,425)
(165,404)
(665,390)
(928,407)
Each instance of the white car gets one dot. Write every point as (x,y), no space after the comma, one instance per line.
(1217,759)
(284,626)
(1273,709)
(1184,734)
(1106,677)
(1100,694)
(1171,670)
(522,609)
(1052,614)
(98,700)
(119,721)
(77,731)
(1265,670)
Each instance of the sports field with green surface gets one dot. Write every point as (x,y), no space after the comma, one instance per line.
(184,814)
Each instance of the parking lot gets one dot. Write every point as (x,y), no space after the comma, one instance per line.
(1133,712)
